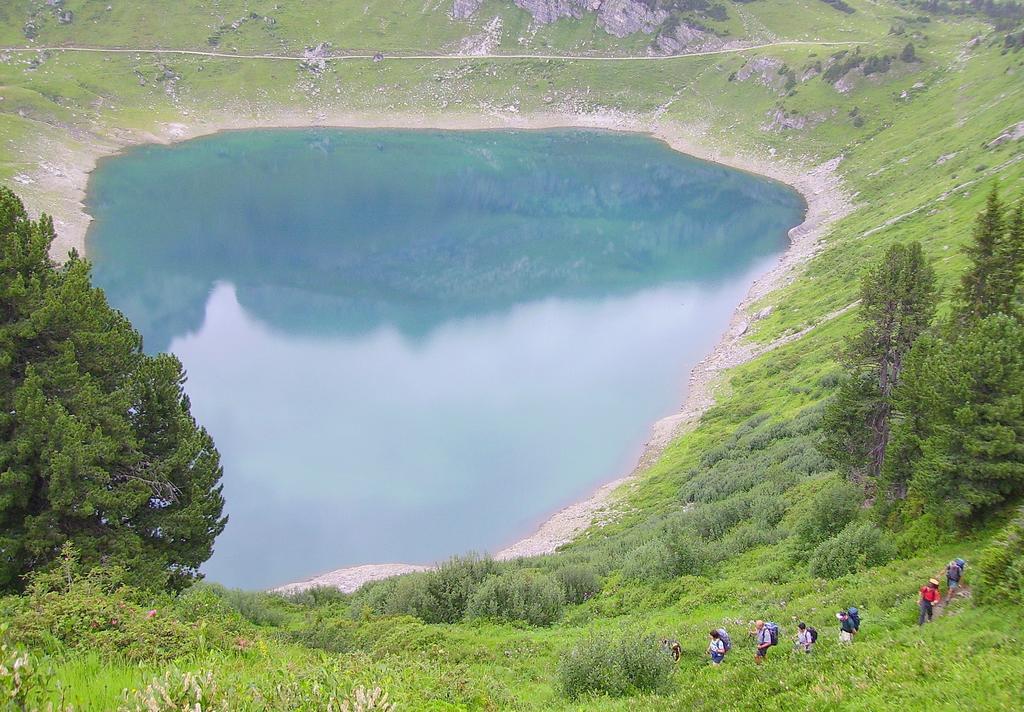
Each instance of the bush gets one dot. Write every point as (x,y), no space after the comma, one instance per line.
(254,606)
(579,583)
(23,684)
(833,507)
(856,547)
(1000,568)
(94,612)
(651,561)
(449,587)
(518,596)
(689,555)
(408,597)
(626,664)
(318,597)
(333,636)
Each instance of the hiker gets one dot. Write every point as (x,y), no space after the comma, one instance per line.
(766,635)
(954,572)
(854,617)
(806,638)
(716,648)
(672,647)
(846,627)
(928,597)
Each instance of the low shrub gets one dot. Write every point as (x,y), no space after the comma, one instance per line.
(518,596)
(999,576)
(441,595)
(651,561)
(579,583)
(855,548)
(332,636)
(829,510)
(93,611)
(256,607)
(24,685)
(616,665)
(319,597)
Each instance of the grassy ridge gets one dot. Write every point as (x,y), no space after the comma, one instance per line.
(917,154)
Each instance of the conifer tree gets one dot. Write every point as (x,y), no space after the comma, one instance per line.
(980,292)
(1008,277)
(958,447)
(897,305)
(97,445)
(966,440)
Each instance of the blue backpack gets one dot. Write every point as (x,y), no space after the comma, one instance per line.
(773,632)
(854,616)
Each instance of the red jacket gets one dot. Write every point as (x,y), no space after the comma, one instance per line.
(930,594)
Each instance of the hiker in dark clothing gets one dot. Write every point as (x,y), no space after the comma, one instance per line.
(954,572)
(929,596)
(847,629)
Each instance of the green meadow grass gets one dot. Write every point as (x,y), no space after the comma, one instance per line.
(917,162)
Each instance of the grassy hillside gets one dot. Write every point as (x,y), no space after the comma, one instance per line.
(721,530)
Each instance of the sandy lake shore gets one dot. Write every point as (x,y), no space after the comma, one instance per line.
(58,187)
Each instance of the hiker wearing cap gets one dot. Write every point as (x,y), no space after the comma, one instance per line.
(762,634)
(716,648)
(805,638)
(954,572)
(929,596)
(847,629)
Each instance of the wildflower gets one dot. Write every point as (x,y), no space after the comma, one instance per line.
(151,613)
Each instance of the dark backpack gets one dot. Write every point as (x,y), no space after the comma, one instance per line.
(954,571)
(773,632)
(854,616)
(814,635)
(726,640)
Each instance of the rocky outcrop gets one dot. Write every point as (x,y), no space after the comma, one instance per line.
(1012,133)
(624,17)
(464,9)
(617,17)
(764,71)
(315,58)
(484,42)
(781,120)
(684,38)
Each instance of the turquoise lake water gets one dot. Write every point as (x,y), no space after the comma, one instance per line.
(411,344)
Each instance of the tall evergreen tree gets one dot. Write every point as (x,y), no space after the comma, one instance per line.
(981,287)
(897,305)
(958,447)
(964,436)
(1008,276)
(97,445)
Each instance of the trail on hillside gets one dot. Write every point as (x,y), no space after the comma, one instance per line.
(422,57)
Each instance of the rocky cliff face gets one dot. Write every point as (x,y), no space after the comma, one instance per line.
(617,17)
(624,17)
(464,9)
(685,38)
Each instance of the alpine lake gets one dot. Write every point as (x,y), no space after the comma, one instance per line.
(414,344)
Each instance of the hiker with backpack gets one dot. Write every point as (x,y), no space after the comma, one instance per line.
(854,618)
(954,572)
(766,635)
(927,598)
(806,638)
(846,627)
(717,648)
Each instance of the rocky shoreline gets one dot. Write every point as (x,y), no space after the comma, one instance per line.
(820,186)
